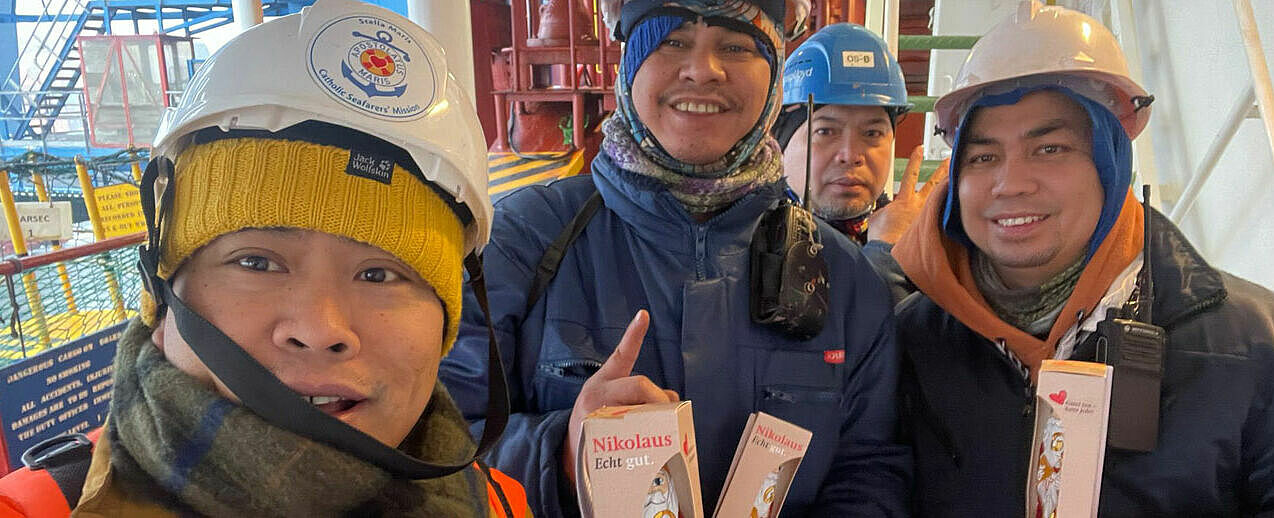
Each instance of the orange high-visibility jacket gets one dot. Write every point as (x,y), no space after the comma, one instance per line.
(27,493)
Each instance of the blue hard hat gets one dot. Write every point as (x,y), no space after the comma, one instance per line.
(844,64)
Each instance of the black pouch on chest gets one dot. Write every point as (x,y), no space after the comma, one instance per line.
(788,273)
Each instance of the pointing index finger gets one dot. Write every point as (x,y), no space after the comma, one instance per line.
(621,360)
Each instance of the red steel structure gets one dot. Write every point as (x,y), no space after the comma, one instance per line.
(127,81)
(552,69)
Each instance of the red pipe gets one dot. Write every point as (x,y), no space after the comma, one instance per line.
(20,264)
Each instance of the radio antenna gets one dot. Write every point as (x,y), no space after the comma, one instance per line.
(809,142)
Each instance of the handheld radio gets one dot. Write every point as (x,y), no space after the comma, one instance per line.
(1130,343)
(788,273)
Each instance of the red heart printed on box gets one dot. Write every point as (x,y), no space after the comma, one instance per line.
(1058,397)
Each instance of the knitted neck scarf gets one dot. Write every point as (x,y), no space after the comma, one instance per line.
(1033,309)
(698,195)
(753,161)
(176,441)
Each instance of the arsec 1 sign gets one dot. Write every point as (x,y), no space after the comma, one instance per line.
(42,221)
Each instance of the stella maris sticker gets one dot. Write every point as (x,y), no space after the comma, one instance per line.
(370,64)
(376,66)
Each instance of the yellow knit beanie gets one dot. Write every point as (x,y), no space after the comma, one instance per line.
(230,184)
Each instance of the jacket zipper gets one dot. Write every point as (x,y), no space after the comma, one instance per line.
(772,393)
(560,368)
(1028,395)
(701,251)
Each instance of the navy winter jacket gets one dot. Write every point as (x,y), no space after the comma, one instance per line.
(643,250)
(970,412)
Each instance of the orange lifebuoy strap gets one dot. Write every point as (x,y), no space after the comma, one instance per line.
(35,493)
(499,484)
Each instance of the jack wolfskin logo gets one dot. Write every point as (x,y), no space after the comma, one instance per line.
(370,166)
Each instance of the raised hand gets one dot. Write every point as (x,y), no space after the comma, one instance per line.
(613,385)
(889,223)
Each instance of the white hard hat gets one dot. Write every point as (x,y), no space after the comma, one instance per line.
(313,66)
(1047,45)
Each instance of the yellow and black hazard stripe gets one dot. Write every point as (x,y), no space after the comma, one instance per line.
(508,171)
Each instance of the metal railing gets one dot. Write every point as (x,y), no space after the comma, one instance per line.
(55,298)
(66,293)
(59,22)
(73,129)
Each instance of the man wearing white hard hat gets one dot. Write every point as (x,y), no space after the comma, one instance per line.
(1038,251)
(310,225)
(690,231)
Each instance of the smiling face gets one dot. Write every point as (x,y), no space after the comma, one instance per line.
(849,162)
(701,91)
(345,324)
(1029,193)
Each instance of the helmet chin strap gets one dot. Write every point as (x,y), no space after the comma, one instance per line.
(260,391)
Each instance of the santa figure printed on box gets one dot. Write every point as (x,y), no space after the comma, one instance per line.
(765,497)
(661,500)
(1048,473)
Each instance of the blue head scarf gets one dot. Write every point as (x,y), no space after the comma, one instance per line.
(1112,156)
(649,32)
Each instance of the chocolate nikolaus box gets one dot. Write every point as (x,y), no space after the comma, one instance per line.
(639,461)
(764,464)
(1072,409)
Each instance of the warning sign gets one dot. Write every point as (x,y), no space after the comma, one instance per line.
(63,390)
(121,209)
